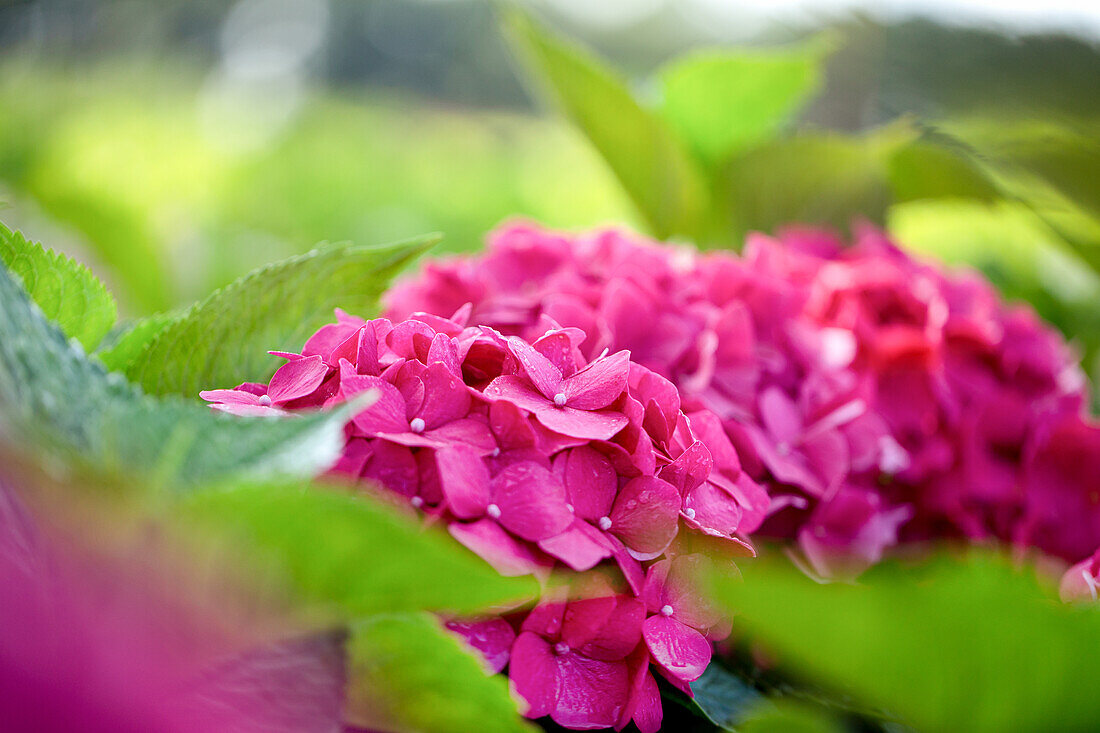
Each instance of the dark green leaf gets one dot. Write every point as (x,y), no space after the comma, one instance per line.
(343,555)
(723,100)
(405,673)
(66,291)
(974,645)
(654,167)
(724,698)
(224,340)
(52,397)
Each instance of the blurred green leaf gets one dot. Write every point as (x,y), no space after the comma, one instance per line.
(119,349)
(949,646)
(926,170)
(406,673)
(651,163)
(224,339)
(813,178)
(343,555)
(785,716)
(66,291)
(721,101)
(53,398)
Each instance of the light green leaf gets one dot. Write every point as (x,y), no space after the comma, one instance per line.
(948,646)
(813,178)
(66,291)
(344,555)
(785,716)
(653,165)
(406,673)
(53,398)
(116,351)
(224,339)
(926,170)
(724,100)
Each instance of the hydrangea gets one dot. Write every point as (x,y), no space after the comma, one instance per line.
(877,397)
(538,454)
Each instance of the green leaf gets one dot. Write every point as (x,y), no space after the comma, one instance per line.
(723,698)
(342,555)
(66,291)
(948,646)
(53,398)
(791,717)
(124,348)
(814,178)
(654,167)
(721,100)
(926,170)
(406,673)
(224,339)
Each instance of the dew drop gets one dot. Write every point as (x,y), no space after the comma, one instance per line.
(417,425)
(561,648)
(632,504)
(604,523)
(666,610)
(265,400)
(493,511)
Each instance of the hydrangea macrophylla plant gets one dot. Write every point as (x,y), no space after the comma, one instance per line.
(536,455)
(876,396)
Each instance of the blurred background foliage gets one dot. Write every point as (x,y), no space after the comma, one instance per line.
(173,146)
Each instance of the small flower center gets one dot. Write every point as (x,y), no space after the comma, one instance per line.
(265,400)
(561,648)
(604,523)
(570,507)
(559,399)
(493,511)
(689,513)
(417,425)
(666,610)
(416,501)
(494,452)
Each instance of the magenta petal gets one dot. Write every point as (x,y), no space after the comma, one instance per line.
(231,397)
(443,351)
(470,431)
(780,416)
(590,481)
(601,425)
(328,338)
(611,640)
(510,426)
(446,398)
(558,349)
(297,379)
(386,414)
(541,371)
(679,649)
(598,384)
(645,699)
(534,675)
(690,468)
(393,466)
(492,638)
(530,501)
(487,539)
(348,350)
(464,480)
(516,390)
(581,547)
(592,693)
(646,516)
(714,509)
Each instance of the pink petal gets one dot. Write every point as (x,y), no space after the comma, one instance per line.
(592,693)
(598,384)
(446,398)
(487,539)
(601,425)
(581,547)
(393,466)
(328,338)
(530,501)
(690,468)
(348,349)
(679,649)
(713,509)
(533,675)
(516,390)
(541,371)
(510,426)
(590,481)
(558,349)
(443,351)
(386,414)
(609,637)
(780,416)
(646,515)
(411,339)
(297,379)
(492,638)
(644,707)
(232,397)
(464,480)
(471,431)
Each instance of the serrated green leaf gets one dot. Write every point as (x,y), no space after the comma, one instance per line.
(725,100)
(652,164)
(224,339)
(344,555)
(406,673)
(126,346)
(813,178)
(66,291)
(947,646)
(54,399)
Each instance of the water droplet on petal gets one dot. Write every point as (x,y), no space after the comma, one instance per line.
(417,425)
(689,513)
(493,511)
(666,610)
(604,523)
(265,400)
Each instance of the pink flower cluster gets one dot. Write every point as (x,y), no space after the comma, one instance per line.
(875,396)
(538,455)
